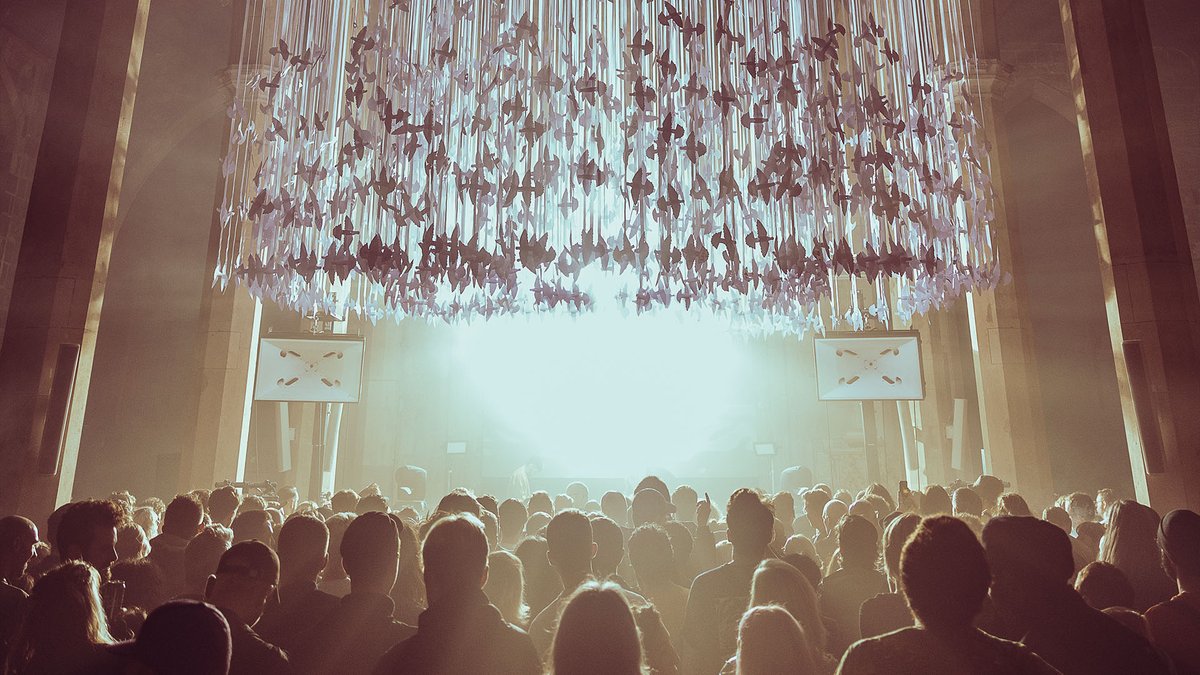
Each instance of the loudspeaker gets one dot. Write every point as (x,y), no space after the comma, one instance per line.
(54,429)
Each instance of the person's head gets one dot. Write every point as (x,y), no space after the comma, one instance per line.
(562,502)
(1058,517)
(1179,542)
(147,517)
(540,502)
(654,483)
(459,501)
(491,528)
(832,514)
(512,516)
(989,489)
(246,576)
(337,524)
(936,501)
(649,506)
(184,637)
(751,523)
(814,508)
(800,545)
(222,504)
(88,532)
(1103,585)
(682,544)
(64,618)
(779,583)
(18,538)
(1081,507)
(578,492)
(614,505)
(203,554)
(371,503)
(684,499)
(536,525)
(370,551)
(455,554)
(1105,498)
(967,502)
(253,526)
(303,547)
(1132,529)
(252,503)
(505,587)
(597,634)
(784,505)
(858,542)
(183,517)
(132,543)
(289,499)
(570,548)
(343,501)
(944,573)
(610,545)
(1030,560)
(770,641)
(894,538)
(489,503)
(1012,504)
(651,555)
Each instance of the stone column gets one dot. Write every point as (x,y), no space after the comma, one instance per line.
(1010,408)
(62,265)
(230,321)
(1146,267)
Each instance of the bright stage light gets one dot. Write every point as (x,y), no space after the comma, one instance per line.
(605,394)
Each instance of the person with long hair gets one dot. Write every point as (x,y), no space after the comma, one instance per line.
(505,587)
(1131,545)
(65,630)
(771,642)
(779,583)
(597,634)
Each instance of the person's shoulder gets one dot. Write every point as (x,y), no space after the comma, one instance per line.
(712,576)
(1016,657)
(398,658)
(11,595)
(876,654)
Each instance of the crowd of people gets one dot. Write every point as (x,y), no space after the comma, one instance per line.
(821,580)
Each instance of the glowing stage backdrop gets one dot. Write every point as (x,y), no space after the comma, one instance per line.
(789,164)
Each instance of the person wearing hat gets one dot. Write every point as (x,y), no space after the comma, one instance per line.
(650,507)
(1032,567)
(181,637)
(1174,625)
(246,576)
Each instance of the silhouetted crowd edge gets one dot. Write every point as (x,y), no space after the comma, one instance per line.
(818,580)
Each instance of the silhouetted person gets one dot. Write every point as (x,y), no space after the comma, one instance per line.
(719,596)
(967,502)
(201,557)
(303,550)
(844,591)
(505,587)
(653,562)
(460,633)
(771,642)
(1174,625)
(610,549)
(182,637)
(1131,544)
(246,576)
(614,505)
(578,492)
(333,579)
(512,517)
(361,628)
(64,631)
(180,523)
(1031,568)
(18,536)
(888,611)
(650,506)
(779,583)
(1102,585)
(88,532)
(944,575)
(223,503)
(684,499)
(252,525)
(570,549)
(541,583)
(597,634)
